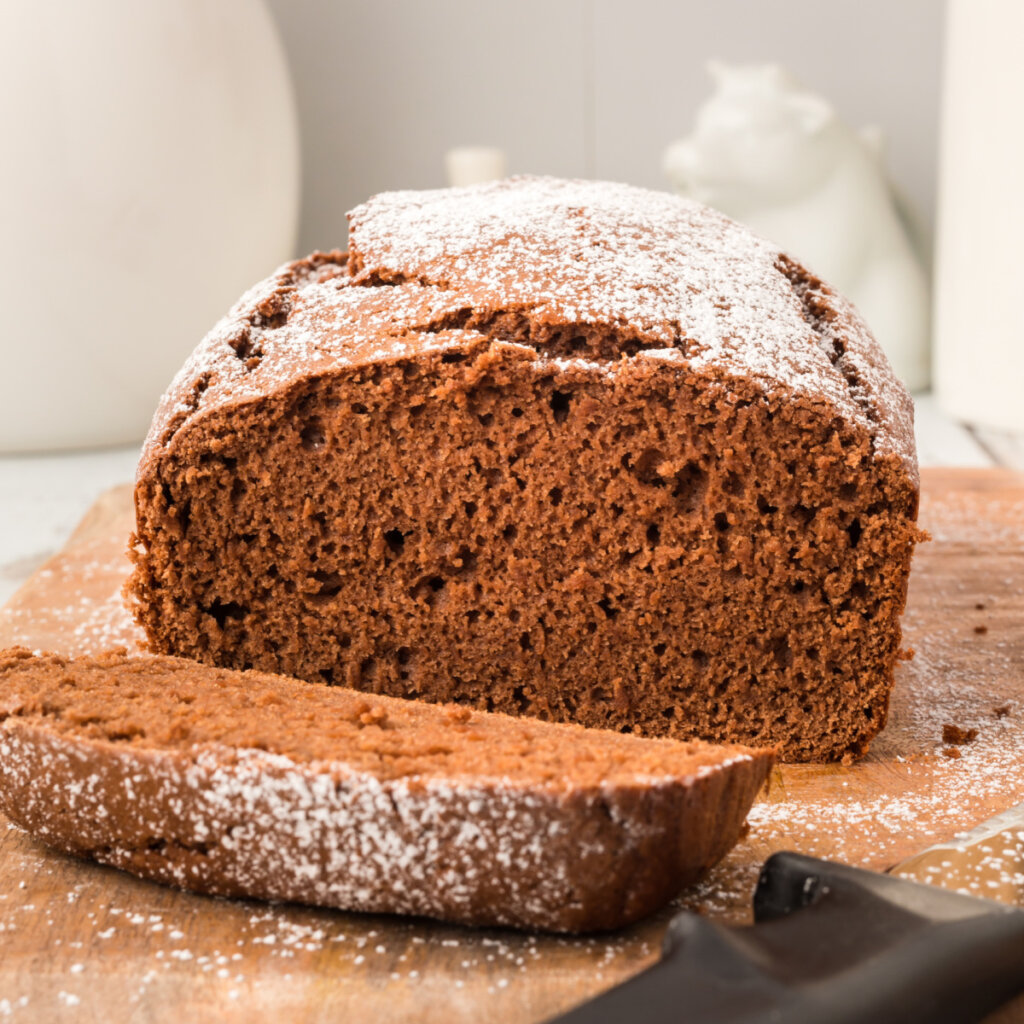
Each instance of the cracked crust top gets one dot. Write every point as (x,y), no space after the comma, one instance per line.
(657,272)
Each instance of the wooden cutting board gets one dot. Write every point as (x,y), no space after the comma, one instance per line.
(82,942)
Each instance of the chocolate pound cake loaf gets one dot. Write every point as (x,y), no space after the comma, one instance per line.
(259,786)
(565,449)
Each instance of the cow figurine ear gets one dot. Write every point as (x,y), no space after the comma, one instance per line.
(813,113)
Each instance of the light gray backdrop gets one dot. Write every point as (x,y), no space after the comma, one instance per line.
(591,88)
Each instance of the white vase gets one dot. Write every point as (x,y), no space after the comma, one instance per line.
(979,308)
(150,174)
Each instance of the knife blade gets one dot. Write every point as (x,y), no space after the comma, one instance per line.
(842,945)
(988,861)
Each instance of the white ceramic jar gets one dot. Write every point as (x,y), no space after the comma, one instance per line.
(150,174)
(979,305)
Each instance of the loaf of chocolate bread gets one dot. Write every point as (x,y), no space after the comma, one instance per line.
(246,784)
(573,450)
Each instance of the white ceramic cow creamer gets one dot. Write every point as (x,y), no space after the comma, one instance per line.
(775,156)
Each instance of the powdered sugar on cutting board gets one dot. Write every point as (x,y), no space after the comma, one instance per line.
(269,949)
(83,610)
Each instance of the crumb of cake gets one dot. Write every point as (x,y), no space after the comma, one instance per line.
(956,735)
(952,752)
(375,716)
(980,630)
(1002,711)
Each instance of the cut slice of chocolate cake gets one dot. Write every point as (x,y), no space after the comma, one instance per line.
(565,449)
(252,785)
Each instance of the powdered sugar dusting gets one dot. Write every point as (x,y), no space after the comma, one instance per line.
(87,612)
(664,267)
(665,271)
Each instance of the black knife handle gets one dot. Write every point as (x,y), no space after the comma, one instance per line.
(830,945)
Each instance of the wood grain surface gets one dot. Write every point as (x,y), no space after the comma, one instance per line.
(83,942)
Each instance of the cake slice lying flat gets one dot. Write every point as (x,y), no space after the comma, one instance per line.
(252,785)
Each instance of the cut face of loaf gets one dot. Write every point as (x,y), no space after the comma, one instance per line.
(253,785)
(568,450)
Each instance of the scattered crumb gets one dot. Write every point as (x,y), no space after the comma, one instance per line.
(1002,711)
(956,735)
(980,630)
(375,716)
(953,752)
(457,715)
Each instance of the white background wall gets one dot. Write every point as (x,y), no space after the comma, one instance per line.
(591,88)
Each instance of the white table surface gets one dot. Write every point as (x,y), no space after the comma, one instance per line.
(43,497)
